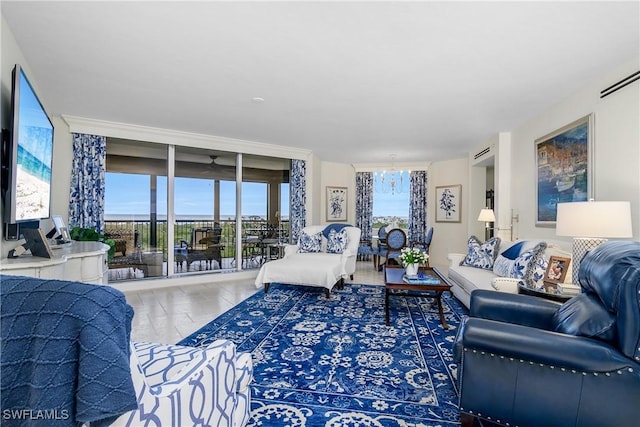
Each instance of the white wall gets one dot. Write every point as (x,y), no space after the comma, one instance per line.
(616,153)
(448,237)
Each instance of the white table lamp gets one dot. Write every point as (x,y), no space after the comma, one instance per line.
(487,216)
(590,224)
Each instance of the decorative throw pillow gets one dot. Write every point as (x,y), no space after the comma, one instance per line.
(502,266)
(504,262)
(584,315)
(310,242)
(481,255)
(331,227)
(538,271)
(513,251)
(523,265)
(337,241)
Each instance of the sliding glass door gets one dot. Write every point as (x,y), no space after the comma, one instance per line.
(222,220)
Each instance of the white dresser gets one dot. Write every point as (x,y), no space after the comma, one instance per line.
(80,261)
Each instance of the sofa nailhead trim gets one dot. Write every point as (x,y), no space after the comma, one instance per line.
(542,365)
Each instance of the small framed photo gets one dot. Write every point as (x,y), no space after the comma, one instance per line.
(557,269)
(336,203)
(448,203)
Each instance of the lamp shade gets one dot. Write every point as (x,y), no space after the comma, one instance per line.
(594,219)
(486,215)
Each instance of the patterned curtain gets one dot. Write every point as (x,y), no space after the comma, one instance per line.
(364,203)
(298,198)
(86,204)
(417,206)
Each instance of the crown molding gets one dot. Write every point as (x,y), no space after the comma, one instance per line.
(174,137)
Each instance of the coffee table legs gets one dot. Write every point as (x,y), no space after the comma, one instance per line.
(443,321)
(437,297)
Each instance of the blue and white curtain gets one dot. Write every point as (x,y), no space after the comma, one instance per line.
(364,203)
(86,204)
(298,198)
(417,206)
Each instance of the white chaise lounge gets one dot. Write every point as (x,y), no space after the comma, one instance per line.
(315,265)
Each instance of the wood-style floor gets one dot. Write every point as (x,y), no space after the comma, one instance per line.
(170,314)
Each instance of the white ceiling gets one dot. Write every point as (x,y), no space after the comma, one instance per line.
(352,81)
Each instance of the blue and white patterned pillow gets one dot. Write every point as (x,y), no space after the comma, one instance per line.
(337,241)
(524,265)
(481,255)
(537,272)
(310,242)
(502,266)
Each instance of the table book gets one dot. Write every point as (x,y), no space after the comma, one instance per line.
(420,279)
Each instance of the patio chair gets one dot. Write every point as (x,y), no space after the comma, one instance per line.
(127,253)
(205,246)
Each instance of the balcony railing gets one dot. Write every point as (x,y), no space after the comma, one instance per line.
(144,232)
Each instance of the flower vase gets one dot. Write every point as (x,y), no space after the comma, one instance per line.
(411,269)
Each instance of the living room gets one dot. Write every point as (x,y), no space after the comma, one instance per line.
(508,151)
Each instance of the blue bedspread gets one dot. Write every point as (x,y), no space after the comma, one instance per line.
(65,353)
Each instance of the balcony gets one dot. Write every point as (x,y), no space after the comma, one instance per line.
(141,246)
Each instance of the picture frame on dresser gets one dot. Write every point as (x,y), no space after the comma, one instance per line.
(37,243)
(556,269)
(564,168)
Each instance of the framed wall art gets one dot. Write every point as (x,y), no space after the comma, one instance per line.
(448,203)
(336,203)
(564,169)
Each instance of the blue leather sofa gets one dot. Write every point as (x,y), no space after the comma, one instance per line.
(526,361)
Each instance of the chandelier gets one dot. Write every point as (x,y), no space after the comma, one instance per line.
(391,182)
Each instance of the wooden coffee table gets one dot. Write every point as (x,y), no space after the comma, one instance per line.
(393,281)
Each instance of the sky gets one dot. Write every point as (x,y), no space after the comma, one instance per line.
(128,194)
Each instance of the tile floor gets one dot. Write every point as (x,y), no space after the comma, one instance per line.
(171,314)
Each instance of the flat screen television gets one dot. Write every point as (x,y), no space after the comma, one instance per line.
(27,155)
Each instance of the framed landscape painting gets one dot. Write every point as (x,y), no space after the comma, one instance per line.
(336,203)
(564,171)
(448,203)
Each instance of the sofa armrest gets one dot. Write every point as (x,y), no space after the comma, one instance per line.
(290,250)
(540,346)
(455,258)
(506,284)
(244,371)
(513,308)
(348,253)
(166,369)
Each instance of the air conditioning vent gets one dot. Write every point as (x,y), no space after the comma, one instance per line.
(481,153)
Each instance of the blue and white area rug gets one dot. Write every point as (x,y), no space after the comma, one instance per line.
(333,362)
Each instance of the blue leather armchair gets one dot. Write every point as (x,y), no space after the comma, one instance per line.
(526,361)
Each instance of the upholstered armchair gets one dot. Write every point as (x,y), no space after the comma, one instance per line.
(526,361)
(66,350)
(180,386)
